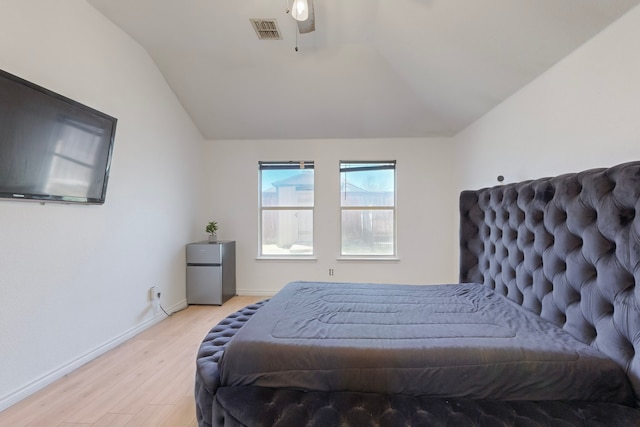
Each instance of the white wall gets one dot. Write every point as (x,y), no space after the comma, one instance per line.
(423,188)
(74,279)
(582,113)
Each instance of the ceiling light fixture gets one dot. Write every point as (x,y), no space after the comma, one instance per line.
(300,10)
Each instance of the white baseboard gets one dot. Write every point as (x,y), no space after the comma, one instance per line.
(23,392)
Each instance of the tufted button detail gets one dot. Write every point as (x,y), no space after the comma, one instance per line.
(562,318)
(573,248)
(209,354)
(610,308)
(295,408)
(627,216)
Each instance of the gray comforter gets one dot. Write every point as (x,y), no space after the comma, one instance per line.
(459,340)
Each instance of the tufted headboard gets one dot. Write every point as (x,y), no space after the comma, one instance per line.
(566,248)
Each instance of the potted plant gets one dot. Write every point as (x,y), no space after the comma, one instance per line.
(212,228)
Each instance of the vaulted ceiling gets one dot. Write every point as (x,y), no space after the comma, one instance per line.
(372,68)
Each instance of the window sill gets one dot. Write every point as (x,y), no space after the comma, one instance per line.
(307,258)
(368,258)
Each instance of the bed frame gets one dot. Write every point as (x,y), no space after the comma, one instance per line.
(566,248)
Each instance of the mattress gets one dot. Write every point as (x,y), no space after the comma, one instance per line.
(461,340)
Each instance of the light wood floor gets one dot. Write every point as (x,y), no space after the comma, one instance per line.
(146,381)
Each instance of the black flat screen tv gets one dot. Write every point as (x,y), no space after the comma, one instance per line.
(52,148)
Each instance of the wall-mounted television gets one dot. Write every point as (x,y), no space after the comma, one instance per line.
(52,148)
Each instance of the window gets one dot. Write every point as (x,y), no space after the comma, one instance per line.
(367,204)
(286,208)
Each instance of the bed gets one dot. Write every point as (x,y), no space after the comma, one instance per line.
(543,327)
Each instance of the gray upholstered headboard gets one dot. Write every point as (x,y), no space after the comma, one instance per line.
(566,248)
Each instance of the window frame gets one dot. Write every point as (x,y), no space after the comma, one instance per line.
(383,165)
(285,165)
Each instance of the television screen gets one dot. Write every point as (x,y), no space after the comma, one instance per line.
(51,147)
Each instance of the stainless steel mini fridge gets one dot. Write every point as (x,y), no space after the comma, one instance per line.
(211,272)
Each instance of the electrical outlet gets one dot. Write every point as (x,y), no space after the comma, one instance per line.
(153,293)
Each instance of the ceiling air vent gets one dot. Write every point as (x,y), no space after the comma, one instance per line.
(266,29)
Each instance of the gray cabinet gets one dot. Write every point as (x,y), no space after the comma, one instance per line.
(211,272)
